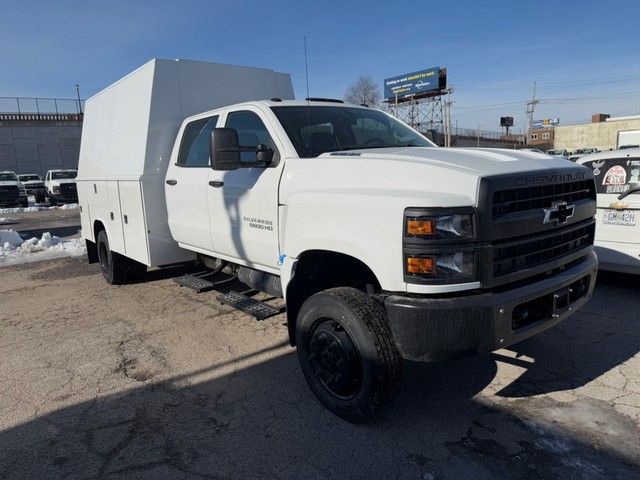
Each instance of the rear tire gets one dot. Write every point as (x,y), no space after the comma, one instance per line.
(347,354)
(137,270)
(114,267)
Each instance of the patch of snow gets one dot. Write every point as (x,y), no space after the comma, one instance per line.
(6,220)
(66,206)
(14,250)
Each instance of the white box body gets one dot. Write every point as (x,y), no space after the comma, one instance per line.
(128,135)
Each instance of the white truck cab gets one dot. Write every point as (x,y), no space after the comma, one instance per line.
(617,176)
(12,191)
(60,186)
(382,245)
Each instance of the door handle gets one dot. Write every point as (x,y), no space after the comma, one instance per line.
(216,183)
(171,182)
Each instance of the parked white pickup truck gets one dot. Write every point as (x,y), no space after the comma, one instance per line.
(382,245)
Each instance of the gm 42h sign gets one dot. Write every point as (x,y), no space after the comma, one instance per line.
(412,83)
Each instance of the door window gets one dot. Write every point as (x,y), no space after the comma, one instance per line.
(194,149)
(251,132)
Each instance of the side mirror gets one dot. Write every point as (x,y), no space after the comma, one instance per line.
(224,149)
(264,153)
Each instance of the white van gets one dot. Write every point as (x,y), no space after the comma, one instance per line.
(617,174)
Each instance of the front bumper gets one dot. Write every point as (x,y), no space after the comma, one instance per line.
(35,190)
(437,329)
(622,257)
(14,202)
(64,198)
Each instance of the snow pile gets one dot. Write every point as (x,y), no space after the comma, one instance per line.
(6,220)
(14,250)
(66,206)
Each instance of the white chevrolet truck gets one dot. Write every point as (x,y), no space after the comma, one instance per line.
(382,245)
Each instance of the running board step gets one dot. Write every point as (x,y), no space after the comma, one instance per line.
(200,283)
(194,283)
(255,308)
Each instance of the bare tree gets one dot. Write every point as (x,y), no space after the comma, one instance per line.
(363,90)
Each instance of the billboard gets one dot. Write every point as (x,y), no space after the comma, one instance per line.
(412,83)
(547,122)
(506,121)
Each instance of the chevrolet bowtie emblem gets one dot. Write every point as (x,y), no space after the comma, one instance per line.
(618,205)
(559,212)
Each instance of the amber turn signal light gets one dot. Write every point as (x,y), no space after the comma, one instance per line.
(421,266)
(421,227)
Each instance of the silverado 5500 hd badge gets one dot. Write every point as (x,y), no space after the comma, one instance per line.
(259,223)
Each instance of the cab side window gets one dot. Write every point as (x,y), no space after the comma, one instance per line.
(251,132)
(194,149)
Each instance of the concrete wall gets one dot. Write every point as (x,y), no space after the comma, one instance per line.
(35,147)
(602,135)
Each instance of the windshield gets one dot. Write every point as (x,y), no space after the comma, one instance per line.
(29,178)
(315,130)
(63,175)
(8,177)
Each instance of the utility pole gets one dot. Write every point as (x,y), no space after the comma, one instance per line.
(447,110)
(531,106)
(79,101)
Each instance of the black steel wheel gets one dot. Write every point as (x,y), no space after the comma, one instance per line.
(347,354)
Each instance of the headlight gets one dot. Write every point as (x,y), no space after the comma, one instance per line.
(458,266)
(440,227)
(440,245)
(55,189)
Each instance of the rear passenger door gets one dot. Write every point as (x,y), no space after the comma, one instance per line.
(186,187)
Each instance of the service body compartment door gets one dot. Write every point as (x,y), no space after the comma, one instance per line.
(133,221)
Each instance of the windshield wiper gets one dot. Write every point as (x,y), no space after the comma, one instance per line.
(628,192)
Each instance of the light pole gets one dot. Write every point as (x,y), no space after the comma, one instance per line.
(79,102)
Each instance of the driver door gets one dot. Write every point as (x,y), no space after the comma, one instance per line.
(243,203)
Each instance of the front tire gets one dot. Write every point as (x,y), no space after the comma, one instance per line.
(114,267)
(347,354)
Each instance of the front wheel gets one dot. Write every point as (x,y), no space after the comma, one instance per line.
(347,354)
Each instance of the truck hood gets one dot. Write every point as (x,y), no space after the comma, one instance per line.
(9,182)
(413,175)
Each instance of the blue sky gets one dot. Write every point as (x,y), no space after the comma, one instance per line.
(584,55)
